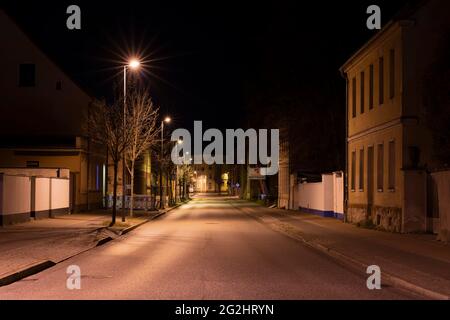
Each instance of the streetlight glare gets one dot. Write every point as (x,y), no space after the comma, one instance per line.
(167,119)
(180,141)
(134,63)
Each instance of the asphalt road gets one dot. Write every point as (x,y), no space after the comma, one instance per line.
(207,249)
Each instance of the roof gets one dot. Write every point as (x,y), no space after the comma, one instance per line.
(406,12)
(38,47)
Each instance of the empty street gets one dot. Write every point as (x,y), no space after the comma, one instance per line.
(206,249)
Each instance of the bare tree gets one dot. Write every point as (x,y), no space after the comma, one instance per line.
(105,125)
(142,130)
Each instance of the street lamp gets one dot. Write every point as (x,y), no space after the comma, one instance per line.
(177,183)
(161,202)
(133,64)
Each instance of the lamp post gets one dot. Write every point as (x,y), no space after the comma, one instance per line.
(161,201)
(176,176)
(132,64)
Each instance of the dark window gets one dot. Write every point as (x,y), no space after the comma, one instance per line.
(58,85)
(392,74)
(353,171)
(27,75)
(381,81)
(371,87)
(361,169)
(362,92)
(392,165)
(380,167)
(354,97)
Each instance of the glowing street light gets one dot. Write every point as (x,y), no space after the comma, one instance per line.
(133,64)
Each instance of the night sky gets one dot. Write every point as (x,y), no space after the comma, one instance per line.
(205,57)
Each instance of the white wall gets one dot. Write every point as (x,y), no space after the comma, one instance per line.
(42,194)
(338,181)
(60,193)
(311,196)
(16,194)
(325,196)
(328,192)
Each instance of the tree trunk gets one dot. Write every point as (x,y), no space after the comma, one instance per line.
(132,189)
(161,203)
(114,208)
(169,191)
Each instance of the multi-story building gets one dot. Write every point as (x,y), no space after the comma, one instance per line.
(42,118)
(208,178)
(388,141)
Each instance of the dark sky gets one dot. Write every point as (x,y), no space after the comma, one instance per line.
(203,55)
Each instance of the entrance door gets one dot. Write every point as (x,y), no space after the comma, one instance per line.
(370,181)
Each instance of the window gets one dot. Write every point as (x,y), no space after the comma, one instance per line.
(381,81)
(380,167)
(392,165)
(27,75)
(392,74)
(361,170)
(371,87)
(362,92)
(353,171)
(354,97)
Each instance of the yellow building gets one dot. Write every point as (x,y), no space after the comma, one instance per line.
(42,118)
(388,144)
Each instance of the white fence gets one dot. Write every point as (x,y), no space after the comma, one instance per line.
(140,202)
(23,197)
(324,198)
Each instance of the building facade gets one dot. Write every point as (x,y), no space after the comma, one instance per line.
(43,116)
(209,178)
(388,141)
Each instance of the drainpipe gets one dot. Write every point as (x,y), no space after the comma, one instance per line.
(344,75)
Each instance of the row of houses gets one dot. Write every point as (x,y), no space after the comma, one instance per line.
(392,172)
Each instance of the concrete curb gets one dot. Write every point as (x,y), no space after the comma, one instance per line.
(42,265)
(25,272)
(352,262)
(98,244)
(125,231)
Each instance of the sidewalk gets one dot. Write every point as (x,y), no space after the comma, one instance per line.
(415,262)
(30,247)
